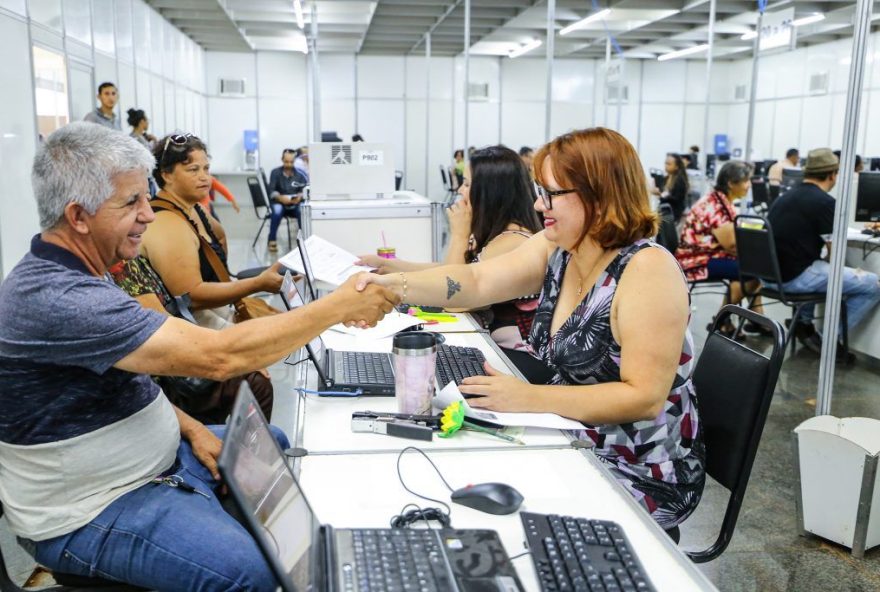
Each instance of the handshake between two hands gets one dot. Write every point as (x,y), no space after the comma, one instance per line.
(366,298)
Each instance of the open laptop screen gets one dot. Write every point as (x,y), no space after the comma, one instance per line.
(294,296)
(273,505)
(307,268)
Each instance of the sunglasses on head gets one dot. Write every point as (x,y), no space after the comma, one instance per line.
(177,140)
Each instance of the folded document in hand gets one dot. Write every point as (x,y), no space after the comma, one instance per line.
(330,263)
(450,393)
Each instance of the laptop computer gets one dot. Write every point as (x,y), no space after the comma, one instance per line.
(369,373)
(372,373)
(307,556)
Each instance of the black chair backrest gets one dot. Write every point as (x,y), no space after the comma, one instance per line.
(667,235)
(445,179)
(257,196)
(756,249)
(453,179)
(734,386)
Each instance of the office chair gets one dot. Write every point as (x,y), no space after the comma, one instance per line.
(734,387)
(66,582)
(756,252)
(260,200)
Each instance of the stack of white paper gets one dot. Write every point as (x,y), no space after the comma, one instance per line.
(330,264)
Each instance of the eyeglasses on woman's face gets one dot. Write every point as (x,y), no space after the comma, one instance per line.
(547,195)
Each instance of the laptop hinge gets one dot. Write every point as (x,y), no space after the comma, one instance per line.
(329,377)
(327,569)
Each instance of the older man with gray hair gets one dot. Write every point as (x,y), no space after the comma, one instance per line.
(88,443)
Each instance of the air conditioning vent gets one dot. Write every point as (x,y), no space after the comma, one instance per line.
(478,91)
(232,87)
(739,92)
(819,83)
(618,93)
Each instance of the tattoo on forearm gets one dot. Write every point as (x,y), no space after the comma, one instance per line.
(452,287)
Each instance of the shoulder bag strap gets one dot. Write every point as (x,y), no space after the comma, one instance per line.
(213,260)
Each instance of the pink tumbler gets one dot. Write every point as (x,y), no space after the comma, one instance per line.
(414,357)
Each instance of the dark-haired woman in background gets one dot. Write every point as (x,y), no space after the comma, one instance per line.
(494,216)
(172,243)
(137,119)
(676,187)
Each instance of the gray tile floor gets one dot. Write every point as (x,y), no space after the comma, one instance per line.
(766,553)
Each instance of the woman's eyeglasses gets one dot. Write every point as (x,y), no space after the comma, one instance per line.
(177,140)
(547,196)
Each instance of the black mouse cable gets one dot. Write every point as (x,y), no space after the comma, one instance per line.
(424,497)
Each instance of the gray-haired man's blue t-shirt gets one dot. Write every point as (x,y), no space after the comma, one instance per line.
(75,432)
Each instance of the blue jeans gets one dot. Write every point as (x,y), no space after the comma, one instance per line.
(163,538)
(861,289)
(279,211)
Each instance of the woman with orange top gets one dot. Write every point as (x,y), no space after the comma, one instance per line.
(208,202)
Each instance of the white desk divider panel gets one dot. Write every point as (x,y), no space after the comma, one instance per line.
(364,491)
(838,480)
(357,225)
(863,252)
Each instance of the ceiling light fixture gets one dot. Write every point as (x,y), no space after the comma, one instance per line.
(525,48)
(807,20)
(683,52)
(585,21)
(298,8)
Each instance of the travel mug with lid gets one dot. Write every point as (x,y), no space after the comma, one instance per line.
(414,356)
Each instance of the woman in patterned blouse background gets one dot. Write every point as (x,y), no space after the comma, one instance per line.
(707,247)
(612,321)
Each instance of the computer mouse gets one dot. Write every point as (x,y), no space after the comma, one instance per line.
(492,498)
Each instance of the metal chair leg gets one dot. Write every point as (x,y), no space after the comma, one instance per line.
(792,327)
(259,232)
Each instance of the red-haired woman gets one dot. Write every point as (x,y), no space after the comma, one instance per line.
(622,357)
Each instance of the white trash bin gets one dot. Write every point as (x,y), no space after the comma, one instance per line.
(837,460)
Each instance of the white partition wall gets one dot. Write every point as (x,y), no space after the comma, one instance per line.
(18,212)
(121,41)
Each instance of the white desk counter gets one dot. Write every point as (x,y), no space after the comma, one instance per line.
(323,424)
(410,223)
(364,491)
(863,252)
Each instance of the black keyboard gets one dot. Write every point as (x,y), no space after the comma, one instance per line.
(455,363)
(394,560)
(365,368)
(582,555)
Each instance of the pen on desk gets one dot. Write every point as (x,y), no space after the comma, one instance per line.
(496,432)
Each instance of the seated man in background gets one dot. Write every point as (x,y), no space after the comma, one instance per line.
(800,220)
(791,162)
(285,192)
(88,443)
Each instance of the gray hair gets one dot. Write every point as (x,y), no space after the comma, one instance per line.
(734,171)
(77,163)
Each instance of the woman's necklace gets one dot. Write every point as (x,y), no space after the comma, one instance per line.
(580,284)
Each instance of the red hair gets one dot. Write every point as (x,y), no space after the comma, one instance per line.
(602,167)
